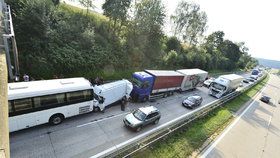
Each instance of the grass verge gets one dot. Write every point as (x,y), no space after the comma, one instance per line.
(184,142)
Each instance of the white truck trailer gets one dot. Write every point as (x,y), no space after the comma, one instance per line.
(192,78)
(110,93)
(224,85)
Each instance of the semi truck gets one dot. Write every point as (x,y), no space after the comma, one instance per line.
(149,84)
(155,83)
(110,93)
(224,85)
(192,78)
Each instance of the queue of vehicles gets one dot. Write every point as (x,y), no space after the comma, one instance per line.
(51,101)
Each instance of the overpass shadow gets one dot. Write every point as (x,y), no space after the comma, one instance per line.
(259,120)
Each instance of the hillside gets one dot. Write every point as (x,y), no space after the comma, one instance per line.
(269,63)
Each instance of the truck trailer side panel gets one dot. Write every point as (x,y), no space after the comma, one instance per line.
(165,82)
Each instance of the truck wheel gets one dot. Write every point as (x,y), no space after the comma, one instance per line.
(96,109)
(145,99)
(156,121)
(56,119)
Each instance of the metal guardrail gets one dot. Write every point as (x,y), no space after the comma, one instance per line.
(125,150)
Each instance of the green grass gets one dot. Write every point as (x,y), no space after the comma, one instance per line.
(184,142)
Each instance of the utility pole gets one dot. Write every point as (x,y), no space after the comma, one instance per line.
(4,127)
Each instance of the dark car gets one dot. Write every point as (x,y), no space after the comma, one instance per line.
(250,79)
(141,117)
(265,99)
(192,101)
(246,80)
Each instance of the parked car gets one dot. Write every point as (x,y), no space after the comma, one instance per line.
(246,81)
(250,79)
(192,101)
(265,99)
(254,78)
(142,117)
(208,82)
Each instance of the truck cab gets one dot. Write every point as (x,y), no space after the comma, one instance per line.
(218,87)
(142,86)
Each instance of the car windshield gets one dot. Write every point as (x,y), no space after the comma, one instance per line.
(218,86)
(192,99)
(139,115)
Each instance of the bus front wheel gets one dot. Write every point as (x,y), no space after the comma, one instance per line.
(56,119)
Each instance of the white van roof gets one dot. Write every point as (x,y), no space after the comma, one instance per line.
(19,90)
(231,77)
(191,71)
(107,86)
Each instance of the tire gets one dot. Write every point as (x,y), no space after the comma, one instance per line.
(138,129)
(156,121)
(56,119)
(145,99)
(96,109)
(164,95)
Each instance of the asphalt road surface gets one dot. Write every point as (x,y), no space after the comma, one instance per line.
(89,134)
(255,133)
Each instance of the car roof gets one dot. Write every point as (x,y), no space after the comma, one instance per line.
(195,96)
(148,109)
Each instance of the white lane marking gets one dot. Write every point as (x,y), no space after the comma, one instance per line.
(270,117)
(108,151)
(106,118)
(213,145)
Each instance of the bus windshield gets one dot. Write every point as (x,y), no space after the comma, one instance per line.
(218,86)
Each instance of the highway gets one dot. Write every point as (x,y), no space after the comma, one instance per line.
(255,132)
(93,133)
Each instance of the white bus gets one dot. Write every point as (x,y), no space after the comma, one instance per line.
(47,101)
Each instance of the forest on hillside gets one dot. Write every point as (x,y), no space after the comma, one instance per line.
(55,39)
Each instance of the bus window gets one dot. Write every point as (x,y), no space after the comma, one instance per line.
(23,104)
(49,100)
(88,94)
(76,96)
(10,107)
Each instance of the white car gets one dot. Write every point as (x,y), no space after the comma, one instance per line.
(208,82)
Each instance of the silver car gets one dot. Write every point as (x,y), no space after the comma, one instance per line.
(141,117)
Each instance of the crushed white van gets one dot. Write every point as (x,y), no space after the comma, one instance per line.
(110,93)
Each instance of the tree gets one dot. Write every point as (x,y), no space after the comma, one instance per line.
(231,50)
(146,29)
(214,41)
(190,22)
(116,11)
(87,4)
(173,44)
